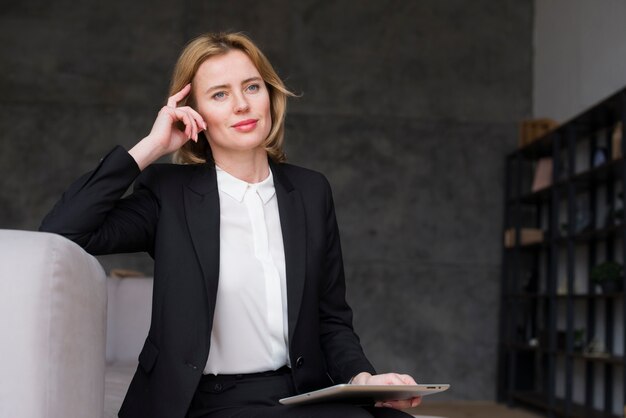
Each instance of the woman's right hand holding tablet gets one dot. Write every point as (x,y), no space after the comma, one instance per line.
(166,136)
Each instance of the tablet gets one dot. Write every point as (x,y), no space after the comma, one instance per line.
(364,394)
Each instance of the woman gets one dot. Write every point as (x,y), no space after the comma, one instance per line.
(233,213)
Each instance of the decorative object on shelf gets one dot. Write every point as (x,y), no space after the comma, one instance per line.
(533,129)
(608,276)
(595,348)
(543,174)
(582,221)
(530,283)
(527,236)
(599,157)
(616,141)
(615,213)
(579,339)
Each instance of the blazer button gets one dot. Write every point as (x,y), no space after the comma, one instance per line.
(218,387)
(299,362)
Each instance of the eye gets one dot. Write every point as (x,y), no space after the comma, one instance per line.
(220,95)
(253,88)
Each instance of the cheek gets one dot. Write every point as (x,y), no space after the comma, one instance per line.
(267,110)
(211,116)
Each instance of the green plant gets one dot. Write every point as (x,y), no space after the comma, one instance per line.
(607,271)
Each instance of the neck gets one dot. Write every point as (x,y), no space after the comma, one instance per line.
(250,166)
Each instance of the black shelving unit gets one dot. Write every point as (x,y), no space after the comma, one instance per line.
(551,312)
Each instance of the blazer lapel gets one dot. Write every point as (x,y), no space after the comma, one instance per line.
(292,222)
(202,209)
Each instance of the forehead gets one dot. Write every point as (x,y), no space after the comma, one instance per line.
(229,68)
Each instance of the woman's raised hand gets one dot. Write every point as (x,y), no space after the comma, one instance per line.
(166,135)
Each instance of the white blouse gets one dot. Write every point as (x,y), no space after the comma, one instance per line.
(250,330)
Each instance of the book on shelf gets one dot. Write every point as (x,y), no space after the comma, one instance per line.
(533,129)
(616,141)
(543,174)
(527,236)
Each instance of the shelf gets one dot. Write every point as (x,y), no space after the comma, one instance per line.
(577,355)
(597,359)
(603,115)
(613,231)
(578,187)
(595,234)
(558,406)
(533,246)
(582,181)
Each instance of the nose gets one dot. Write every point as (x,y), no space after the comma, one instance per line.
(241,104)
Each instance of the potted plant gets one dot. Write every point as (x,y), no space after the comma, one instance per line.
(608,276)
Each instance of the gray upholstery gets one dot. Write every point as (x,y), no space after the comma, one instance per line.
(52,322)
(58,341)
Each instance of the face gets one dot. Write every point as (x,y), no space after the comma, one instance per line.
(232,98)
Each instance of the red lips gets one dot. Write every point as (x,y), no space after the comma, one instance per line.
(244,123)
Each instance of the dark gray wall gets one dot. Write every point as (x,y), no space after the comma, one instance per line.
(408,107)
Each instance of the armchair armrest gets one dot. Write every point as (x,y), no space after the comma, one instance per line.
(53,324)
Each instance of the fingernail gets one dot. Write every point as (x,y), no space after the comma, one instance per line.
(387,405)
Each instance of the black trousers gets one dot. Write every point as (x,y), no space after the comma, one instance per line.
(256,396)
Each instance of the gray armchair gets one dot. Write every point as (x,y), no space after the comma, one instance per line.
(54,353)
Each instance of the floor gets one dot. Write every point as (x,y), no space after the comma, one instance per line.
(469,409)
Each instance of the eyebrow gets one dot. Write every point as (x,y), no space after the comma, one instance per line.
(224,86)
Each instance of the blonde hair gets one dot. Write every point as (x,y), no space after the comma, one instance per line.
(213,44)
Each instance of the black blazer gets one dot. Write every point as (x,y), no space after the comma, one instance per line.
(174,215)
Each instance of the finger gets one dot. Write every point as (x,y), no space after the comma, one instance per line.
(173,100)
(184,117)
(416,401)
(394,379)
(402,404)
(194,127)
(201,123)
(187,124)
(197,123)
(384,379)
(408,380)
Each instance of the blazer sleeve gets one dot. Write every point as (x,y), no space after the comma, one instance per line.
(94,214)
(342,348)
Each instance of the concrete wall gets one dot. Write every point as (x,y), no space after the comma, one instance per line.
(408,107)
(579,55)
